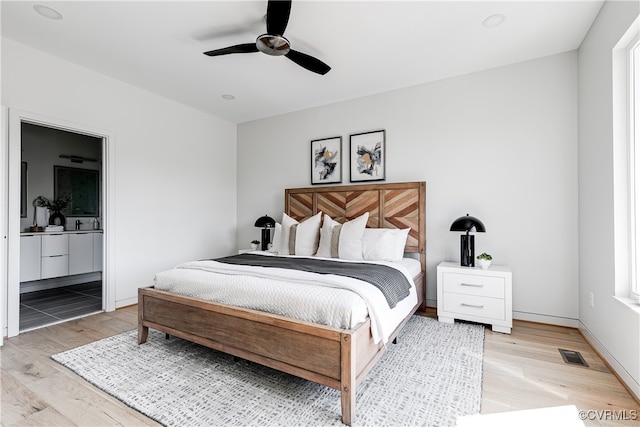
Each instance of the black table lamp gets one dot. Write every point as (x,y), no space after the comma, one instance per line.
(265,222)
(467,250)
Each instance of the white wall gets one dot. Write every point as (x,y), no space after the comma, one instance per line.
(174,192)
(500,145)
(613,327)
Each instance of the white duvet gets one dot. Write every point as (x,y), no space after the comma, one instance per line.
(327,299)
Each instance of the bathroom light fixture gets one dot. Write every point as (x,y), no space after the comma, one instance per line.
(47,12)
(494,20)
(266,223)
(228,97)
(77,159)
(467,223)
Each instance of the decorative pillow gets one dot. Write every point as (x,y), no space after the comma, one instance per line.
(275,241)
(350,243)
(299,238)
(285,228)
(342,240)
(384,244)
(324,248)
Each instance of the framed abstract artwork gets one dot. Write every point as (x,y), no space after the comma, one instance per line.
(367,156)
(326,160)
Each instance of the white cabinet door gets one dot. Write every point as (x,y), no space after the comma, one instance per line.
(30,258)
(97,251)
(55,244)
(55,266)
(80,253)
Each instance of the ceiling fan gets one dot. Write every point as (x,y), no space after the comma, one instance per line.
(274,43)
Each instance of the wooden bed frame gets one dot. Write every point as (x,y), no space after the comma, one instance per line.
(337,358)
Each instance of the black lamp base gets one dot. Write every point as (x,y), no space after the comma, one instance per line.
(467,250)
(266,238)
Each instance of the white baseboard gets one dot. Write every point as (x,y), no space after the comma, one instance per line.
(620,371)
(56,282)
(126,302)
(543,318)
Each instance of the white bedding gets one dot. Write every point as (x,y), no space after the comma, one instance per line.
(331,300)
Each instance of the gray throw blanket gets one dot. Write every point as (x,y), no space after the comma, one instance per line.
(391,282)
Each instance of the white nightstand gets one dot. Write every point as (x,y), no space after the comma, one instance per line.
(475,294)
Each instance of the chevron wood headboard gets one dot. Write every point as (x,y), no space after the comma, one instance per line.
(390,205)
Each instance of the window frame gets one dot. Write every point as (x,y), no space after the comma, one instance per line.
(633,132)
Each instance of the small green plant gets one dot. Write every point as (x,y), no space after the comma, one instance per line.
(484,255)
(255,242)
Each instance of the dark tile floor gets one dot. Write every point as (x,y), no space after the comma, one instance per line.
(42,308)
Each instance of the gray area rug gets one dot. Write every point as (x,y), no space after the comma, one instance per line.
(429,378)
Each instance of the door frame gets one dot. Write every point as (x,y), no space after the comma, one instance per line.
(16,118)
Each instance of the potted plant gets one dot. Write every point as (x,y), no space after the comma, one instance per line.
(38,202)
(484,260)
(254,244)
(55,206)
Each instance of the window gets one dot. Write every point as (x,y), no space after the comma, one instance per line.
(633,121)
(626,164)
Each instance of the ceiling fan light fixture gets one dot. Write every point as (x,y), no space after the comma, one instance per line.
(273,45)
(47,12)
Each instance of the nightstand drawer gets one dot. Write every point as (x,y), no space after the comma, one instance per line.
(489,308)
(485,286)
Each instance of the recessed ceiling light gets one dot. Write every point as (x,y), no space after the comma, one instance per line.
(494,20)
(47,12)
(228,97)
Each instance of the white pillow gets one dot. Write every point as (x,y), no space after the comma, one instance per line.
(342,240)
(275,242)
(303,237)
(299,238)
(283,241)
(350,243)
(324,248)
(384,244)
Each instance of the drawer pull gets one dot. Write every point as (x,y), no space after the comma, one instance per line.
(55,256)
(472,305)
(473,285)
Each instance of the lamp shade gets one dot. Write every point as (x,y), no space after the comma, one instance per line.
(467,223)
(265,222)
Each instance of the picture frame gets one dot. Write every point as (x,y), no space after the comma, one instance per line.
(367,156)
(81,186)
(326,160)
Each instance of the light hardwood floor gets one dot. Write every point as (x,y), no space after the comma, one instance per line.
(523,370)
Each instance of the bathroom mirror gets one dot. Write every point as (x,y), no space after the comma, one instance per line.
(81,186)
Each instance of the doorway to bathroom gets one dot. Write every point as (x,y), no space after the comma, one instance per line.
(57,254)
(60,234)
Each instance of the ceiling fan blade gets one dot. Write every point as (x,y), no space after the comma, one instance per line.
(239,48)
(308,62)
(278,16)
